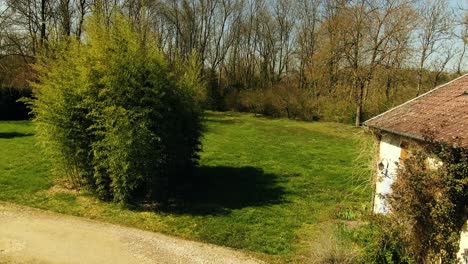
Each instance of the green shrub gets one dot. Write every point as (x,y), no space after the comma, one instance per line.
(113,117)
(380,242)
(61,108)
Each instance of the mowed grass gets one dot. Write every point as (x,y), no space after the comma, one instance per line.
(267,186)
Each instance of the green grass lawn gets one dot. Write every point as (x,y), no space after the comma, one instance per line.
(271,187)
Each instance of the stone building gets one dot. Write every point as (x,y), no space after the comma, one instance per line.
(443,110)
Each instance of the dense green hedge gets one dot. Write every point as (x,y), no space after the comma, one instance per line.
(114,117)
(10,108)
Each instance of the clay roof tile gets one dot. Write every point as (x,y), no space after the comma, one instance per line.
(443,110)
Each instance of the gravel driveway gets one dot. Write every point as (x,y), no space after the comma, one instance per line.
(34,236)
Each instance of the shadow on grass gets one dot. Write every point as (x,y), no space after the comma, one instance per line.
(9,135)
(218,190)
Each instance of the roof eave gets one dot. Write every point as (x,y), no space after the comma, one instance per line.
(399,133)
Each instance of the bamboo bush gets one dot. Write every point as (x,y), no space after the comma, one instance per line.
(112,115)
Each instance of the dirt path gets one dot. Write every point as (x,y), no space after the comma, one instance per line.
(34,236)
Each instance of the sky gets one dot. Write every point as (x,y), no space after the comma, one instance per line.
(458,3)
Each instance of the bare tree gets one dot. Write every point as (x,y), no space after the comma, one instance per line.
(371,28)
(462,36)
(439,65)
(433,30)
(308,11)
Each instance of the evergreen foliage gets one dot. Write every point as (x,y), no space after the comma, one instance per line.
(113,116)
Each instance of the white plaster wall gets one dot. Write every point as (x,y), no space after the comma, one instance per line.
(463,253)
(389,157)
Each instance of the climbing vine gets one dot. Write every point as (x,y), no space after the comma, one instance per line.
(429,201)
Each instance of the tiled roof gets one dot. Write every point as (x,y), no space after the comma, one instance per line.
(443,110)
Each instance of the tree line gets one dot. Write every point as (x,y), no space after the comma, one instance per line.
(336,60)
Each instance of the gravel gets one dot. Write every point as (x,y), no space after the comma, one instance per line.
(33,236)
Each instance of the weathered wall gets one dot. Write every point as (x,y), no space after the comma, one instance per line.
(389,159)
(463,253)
(392,150)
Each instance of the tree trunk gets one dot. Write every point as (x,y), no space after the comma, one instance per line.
(460,61)
(81,19)
(358,115)
(360,102)
(388,87)
(419,83)
(43,21)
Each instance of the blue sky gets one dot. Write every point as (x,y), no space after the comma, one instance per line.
(457,3)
